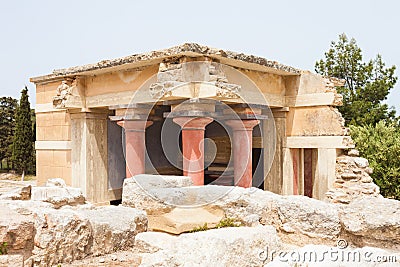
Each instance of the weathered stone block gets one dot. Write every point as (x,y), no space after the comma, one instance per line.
(372,221)
(236,246)
(114,228)
(180,220)
(17,230)
(58,196)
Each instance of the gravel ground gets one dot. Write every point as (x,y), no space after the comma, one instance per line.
(119,259)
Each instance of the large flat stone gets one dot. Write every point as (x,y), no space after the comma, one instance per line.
(180,220)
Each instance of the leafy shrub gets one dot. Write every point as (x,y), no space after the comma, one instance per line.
(3,248)
(227,222)
(200,228)
(380,144)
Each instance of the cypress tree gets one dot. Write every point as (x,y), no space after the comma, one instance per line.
(7,125)
(23,154)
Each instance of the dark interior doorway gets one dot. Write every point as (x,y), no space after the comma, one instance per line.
(258,168)
(308,172)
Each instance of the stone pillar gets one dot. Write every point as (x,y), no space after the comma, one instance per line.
(193,146)
(242,149)
(135,145)
(274,132)
(89,158)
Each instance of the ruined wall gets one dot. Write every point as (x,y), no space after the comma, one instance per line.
(353,179)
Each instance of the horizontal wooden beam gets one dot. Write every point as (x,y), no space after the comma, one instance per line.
(53,145)
(318,142)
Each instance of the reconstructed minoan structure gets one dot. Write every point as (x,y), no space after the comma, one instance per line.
(217,116)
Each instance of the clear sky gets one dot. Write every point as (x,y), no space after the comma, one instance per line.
(42,35)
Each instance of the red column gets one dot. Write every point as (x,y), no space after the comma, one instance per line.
(242,149)
(193,146)
(135,146)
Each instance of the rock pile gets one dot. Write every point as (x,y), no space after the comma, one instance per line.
(353,179)
(46,234)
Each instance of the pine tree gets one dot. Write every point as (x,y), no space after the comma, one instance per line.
(23,153)
(367,84)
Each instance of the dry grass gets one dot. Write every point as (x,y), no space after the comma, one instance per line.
(16,177)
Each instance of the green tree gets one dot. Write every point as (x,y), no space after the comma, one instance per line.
(367,84)
(380,144)
(7,125)
(23,153)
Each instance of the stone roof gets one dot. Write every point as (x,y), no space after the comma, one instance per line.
(239,60)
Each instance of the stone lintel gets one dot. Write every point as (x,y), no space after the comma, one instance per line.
(318,142)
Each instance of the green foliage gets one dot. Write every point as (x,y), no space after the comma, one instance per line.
(3,248)
(199,229)
(23,153)
(227,222)
(380,144)
(367,84)
(8,106)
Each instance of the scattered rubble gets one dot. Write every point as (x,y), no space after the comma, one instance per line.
(47,236)
(58,193)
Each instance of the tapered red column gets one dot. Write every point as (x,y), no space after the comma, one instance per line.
(193,146)
(135,145)
(242,150)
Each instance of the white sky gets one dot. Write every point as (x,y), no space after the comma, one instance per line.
(39,36)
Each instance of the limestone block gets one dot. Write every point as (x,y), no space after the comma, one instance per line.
(311,83)
(114,228)
(58,196)
(61,236)
(315,121)
(17,230)
(309,216)
(236,246)
(372,221)
(136,191)
(180,220)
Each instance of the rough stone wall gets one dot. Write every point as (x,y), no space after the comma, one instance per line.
(353,179)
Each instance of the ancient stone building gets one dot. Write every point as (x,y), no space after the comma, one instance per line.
(217,116)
